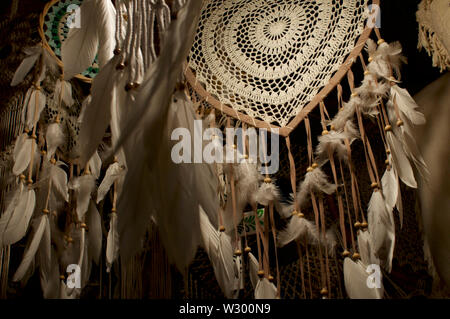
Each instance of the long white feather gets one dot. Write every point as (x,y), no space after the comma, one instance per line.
(15,223)
(400,161)
(31,250)
(95,35)
(220,252)
(35,106)
(355,279)
(59,180)
(365,248)
(83,187)
(22,153)
(27,64)
(113,172)
(381,229)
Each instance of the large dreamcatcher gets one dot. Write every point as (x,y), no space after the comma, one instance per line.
(251,64)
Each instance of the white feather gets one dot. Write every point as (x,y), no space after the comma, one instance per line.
(407,106)
(265,290)
(83,187)
(14,222)
(113,172)
(266,193)
(95,35)
(94,223)
(97,114)
(381,229)
(54,138)
(63,91)
(35,105)
(253,269)
(95,165)
(30,252)
(400,161)
(298,228)
(27,64)
(314,181)
(220,252)
(22,153)
(355,279)
(112,242)
(365,248)
(58,178)
(390,186)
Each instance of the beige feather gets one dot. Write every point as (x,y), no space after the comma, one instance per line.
(355,279)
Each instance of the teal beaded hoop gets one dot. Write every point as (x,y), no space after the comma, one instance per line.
(54,30)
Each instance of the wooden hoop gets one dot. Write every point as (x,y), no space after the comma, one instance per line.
(45,42)
(286,130)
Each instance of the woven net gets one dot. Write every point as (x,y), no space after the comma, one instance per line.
(268,59)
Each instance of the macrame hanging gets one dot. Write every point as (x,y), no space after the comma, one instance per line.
(247,64)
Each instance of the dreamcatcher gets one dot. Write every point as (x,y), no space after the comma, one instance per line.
(251,64)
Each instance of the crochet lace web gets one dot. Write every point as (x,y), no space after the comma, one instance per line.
(269,58)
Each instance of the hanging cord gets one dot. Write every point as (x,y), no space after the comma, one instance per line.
(338,193)
(312,166)
(231,177)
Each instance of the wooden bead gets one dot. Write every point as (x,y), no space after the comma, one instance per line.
(325,132)
(324,292)
(22,177)
(374,185)
(238,252)
(370,59)
(388,128)
(386,162)
(33,136)
(346,253)
(69,239)
(388,151)
(300,215)
(356,256)
(29,181)
(113,210)
(222,228)
(271,278)
(62,277)
(332,128)
(309,169)
(43,153)
(354,94)
(314,165)
(247,249)
(83,225)
(366,72)
(267,180)
(120,66)
(129,86)
(399,123)
(117,51)
(364,225)
(294,213)
(381,41)
(357,225)
(53,161)
(234,146)
(261,273)
(45,211)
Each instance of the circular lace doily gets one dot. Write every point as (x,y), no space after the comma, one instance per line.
(269,58)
